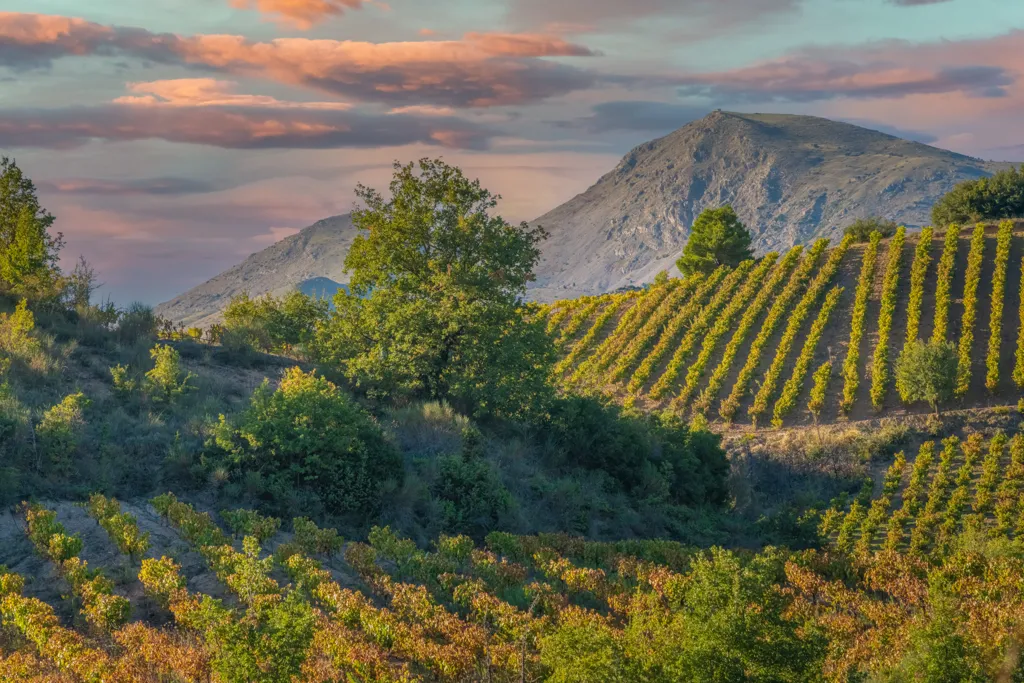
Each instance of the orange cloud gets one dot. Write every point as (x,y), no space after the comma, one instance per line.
(209,92)
(482,69)
(302,13)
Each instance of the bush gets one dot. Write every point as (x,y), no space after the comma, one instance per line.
(998,197)
(927,371)
(309,435)
(136,322)
(472,497)
(274,325)
(166,381)
(58,431)
(630,447)
(862,228)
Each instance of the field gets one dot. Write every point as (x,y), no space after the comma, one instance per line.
(809,335)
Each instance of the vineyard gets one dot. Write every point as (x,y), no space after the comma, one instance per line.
(162,592)
(810,335)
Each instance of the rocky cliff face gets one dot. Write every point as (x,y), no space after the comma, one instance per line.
(790,178)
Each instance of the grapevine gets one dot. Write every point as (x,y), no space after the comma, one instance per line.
(996,316)
(974,264)
(880,363)
(586,342)
(944,284)
(851,371)
(918,273)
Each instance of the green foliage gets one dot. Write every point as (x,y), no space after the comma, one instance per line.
(275,325)
(717,238)
(862,228)
(636,450)
(583,648)
(996,317)
(944,285)
(58,431)
(167,381)
(822,376)
(927,371)
(16,337)
(28,252)
(975,262)
(251,523)
(310,436)
(865,282)
(136,322)
(472,497)
(880,362)
(918,273)
(316,541)
(123,383)
(996,198)
(435,305)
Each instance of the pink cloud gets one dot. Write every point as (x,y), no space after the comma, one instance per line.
(209,92)
(232,127)
(302,13)
(482,69)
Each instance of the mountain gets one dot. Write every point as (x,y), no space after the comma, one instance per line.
(312,260)
(790,178)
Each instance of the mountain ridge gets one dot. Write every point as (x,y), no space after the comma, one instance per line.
(791,179)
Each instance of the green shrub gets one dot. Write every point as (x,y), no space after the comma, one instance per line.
(593,435)
(862,228)
(308,435)
(316,541)
(998,197)
(472,497)
(166,381)
(251,523)
(59,429)
(136,322)
(123,383)
(927,371)
(274,325)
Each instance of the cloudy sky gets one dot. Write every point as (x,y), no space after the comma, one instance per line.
(174,137)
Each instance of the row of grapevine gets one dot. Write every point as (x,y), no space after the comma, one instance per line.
(750,316)
(730,406)
(880,363)
(586,342)
(1018,368)
(996,316)
(791,390)
(865,282)
(974,265)
(810,299)
(666,314)
(122,527)
(918,273)
(700,325)
(100,606)
(723,323)
(879,509)
(944,284)
(579,319)
(628,325)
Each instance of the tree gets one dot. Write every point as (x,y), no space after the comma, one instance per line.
(995,198)
(435,305)
(716,238)
(309,436)
(862,228)
(926,371)
(275,324)
(28,252)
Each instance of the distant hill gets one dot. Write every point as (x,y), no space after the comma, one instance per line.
(790,179)
(312,260)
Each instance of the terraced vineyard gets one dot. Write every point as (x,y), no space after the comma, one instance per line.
(924,504)
(811,334)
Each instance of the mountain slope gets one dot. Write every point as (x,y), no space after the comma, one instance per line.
(312,260)
(790,179)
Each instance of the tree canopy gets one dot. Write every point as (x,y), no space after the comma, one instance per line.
(996,198)
(927,371)
(28,252)
(435,305)
(716,238)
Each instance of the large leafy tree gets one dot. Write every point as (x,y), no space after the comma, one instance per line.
(926,371)
(435,307)
(995,198)
(28,252)
(716,238)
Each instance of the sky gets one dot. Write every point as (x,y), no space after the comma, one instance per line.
(172,138)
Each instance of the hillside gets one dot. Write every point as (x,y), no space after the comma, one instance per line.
(312,260)
(790,178)
(728,345)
